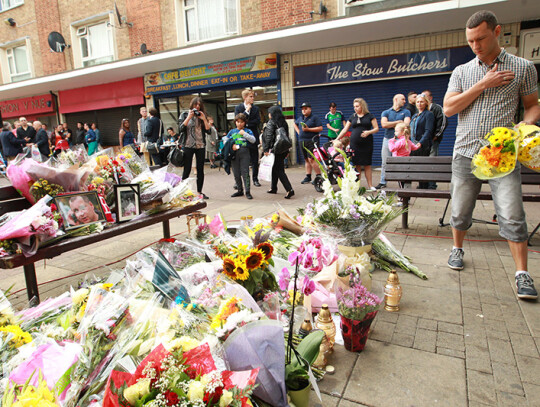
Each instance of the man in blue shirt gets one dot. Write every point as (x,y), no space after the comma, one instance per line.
(389,119)
(307,127)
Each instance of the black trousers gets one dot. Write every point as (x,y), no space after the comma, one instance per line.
(199,154)
(422,151)
(278,173)
(240,167)
(254,161)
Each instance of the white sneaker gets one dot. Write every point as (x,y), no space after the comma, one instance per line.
(398,204)
(372,189)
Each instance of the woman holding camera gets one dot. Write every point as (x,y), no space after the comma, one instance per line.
(193,128)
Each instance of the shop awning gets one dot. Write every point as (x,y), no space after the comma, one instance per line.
(117,94)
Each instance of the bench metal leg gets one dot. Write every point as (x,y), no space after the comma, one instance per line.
(532,234)
(166,229)
(405,215)
(31,283)
(441,220)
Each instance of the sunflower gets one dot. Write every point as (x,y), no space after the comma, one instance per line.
(228,267)
(267,249)
(241,271)
(254,259)
(221,250)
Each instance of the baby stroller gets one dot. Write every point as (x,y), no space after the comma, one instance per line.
(329,164)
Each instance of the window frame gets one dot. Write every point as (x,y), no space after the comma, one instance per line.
(5,55)
(76,40)
(90,58)
(184,9)
(17,4)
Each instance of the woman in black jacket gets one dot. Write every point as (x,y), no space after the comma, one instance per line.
(193,129)
(275,122)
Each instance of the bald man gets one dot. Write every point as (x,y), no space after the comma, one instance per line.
(42,139)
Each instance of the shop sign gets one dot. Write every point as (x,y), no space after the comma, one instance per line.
(31,106)
(530,45)
(237,71)
(413,64)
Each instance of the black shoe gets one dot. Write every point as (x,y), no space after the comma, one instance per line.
(235,187)
(203,196)
(238,193)
(248,195)
(525,287)
(380,186)
(290,194)
(272,191)
(256,183)
(213,166)
(306,180)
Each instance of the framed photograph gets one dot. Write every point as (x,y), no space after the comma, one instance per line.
(79,208)
(128,204)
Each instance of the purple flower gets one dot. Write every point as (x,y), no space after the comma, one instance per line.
(308,286)
(284,279)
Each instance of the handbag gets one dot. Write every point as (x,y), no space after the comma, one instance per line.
(176,157)
(283,142)
(153,147)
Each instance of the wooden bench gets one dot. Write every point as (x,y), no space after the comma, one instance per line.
(439,169)
(10,200)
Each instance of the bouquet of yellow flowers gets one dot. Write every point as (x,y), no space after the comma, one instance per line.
(529,146)
(497,157)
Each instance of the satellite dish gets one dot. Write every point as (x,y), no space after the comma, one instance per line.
(118,15)
(56,41)
(144,49)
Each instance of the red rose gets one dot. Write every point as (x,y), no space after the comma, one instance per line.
(172,398)
(122,169)
(53,207)
(213,398)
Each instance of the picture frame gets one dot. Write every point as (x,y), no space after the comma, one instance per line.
(79,209)
(128,202)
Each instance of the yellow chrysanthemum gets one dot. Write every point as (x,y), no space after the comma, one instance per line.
(20,337)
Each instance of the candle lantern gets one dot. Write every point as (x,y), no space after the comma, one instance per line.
(326,323)
(392,292)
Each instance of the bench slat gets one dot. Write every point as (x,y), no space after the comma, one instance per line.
(418,176)
(418,168)
(8,192)
(14,205)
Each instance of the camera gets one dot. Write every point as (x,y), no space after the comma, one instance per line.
(196,112)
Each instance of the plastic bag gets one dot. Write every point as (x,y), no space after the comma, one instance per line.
(529,147)
(498,155)
(265,167)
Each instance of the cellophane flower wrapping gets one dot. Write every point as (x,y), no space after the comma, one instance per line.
(351,215)
(132,160)
(76,156)
(260,345)
(356,302)
(154,185)
(498,155)
(31,227)
(17,174)
(529,147)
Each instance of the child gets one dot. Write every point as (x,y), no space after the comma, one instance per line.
(240,162)
(401,145)
(338,158)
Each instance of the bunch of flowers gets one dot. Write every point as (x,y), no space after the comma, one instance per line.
(42,187)
(231,315)
(29,396)
(249,265)
(497,157)
(131,160)
(350,214)
(356,302)
(99,185)
(181,378)
(529,151)
(109,169)
(73,156)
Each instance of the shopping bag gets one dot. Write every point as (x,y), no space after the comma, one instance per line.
(265,167)
(152,148)
(176,157)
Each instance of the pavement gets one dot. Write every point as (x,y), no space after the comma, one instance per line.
(461,338)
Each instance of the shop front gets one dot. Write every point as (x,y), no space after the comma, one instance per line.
(42,108)
(219,84)
(377,80)
(106,105)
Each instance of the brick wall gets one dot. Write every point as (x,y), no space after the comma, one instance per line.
(147,24)
(48,20)
(283,13)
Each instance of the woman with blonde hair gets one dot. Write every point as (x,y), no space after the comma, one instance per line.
(363,126)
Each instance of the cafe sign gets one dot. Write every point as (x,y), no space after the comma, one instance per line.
(32,106)
(412,64)
(236,71)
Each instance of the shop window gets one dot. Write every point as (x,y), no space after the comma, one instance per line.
(210,19)
(96,44)
(18,64)
(7,4)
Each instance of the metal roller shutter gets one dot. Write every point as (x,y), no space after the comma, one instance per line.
(108,121)
(378,95)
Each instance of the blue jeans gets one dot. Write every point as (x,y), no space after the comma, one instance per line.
(506,193)
(385,152)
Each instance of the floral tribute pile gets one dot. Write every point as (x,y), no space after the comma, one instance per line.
(206,321)
(74,171)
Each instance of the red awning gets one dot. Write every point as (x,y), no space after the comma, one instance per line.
(108,95)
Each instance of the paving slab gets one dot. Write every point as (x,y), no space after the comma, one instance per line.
(390,375)
(344,362)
